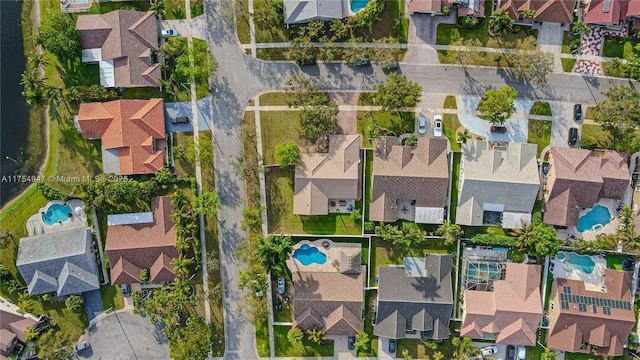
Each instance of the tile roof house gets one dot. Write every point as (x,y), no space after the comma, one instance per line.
(60,262)
(611,13)
(142,241)
(415,297)
(511,313)
(321,177)
(579,178)
(303,11)
(331,301)
(598,320)
(434,7)
(560,11)
(409,182)
(121,42)
(12,329)
(497,183)
(132,134)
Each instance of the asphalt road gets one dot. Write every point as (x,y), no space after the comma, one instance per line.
(240,78)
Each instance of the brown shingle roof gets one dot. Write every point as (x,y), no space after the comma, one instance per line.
(403,172)
(123,36)
(512,310)
(546,10)
(13,325)
(334,175)
(331,295)
(570,327)
(578,178)
(144,246)
(131,126)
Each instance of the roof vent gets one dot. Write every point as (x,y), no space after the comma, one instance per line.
(607,6)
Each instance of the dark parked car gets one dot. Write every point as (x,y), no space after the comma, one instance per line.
(306,61)
(179,120)
(277,305)
(573,136)
(498,129)
(352,342)
(392,346)
(511,352)
(361,62)
(577,112)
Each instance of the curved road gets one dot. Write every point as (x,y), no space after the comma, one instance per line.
(240,78)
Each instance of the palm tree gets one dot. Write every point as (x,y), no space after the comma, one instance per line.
(182,244)
(181,265)
(31,333)
(500,23)
(362,341)
(549,354)
(37,60)
(158,7)
(316,336)
(450,231)
(273,252)
(526,236)
(32,80)
(406,355)
(72,93)
(294,335)
(438,355)
(463,136)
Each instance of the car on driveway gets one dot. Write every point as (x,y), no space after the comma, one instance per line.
(422,125)
(352,342)
(392,346)
(573,136)
(511,352)
(437,127)
(521,352)
(169,33)
(257,289)
(498,129)
(489,350)
(577,112)
(281,285)
(81,346)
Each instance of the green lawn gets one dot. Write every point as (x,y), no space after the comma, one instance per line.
(446,58)
(273,99)
(368,182)
(279,184)
(541,108)
(568,64)
(367,99)
(447,33)
(262,338)
(539,133)
(394,123)
(614,261)
(610,70)
(418,350)
(305,348)
(279,127)
(596,132)
(451,123)
(368,325)
(618,47)
(455,178)
(271,53)
(111,297)
(242,21)
(566,42)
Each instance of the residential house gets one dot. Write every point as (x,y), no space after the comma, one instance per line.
(61,262)
(584,318)
(121,42)
(142,241)
(498,184)
(511,313)
(329,182)
(132,132)
(612,14)
(409,182)
(415,300)
(434,7)
(303,11)
(579,178)
(329,295)
(12,329)
(560,11)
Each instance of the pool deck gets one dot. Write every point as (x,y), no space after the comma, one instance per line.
(36,226)
(591,235)
(332,250)
(592,282)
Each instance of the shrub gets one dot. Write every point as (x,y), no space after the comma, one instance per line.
(491,239)
(144,275)
(588,142)
(516,29)
(446,10)
(74,302)
(51,193)
(369,226)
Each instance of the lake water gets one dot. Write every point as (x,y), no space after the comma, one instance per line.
(14,112)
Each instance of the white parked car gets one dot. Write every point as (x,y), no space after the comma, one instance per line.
(437,127)
(522,352)
(257,289)
(81,346)
(422,124)
(489,350)
(169,32)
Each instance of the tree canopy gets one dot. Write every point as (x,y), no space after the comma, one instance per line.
(498,105)
(204,63)
(273,252)
(288,154)
(398,92)
(57,34)
(619,115)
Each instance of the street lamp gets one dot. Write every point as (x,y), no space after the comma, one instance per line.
(12,159)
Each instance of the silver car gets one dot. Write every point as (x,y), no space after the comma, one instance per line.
(422,124)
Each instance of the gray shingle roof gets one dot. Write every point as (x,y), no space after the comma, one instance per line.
(302,11)
(61,261)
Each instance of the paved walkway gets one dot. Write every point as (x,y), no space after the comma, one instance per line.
(550,40)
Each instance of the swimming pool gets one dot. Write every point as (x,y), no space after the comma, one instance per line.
(575,261)
(308,255)
(598,215)
(56,213)
(357,5)
(483,272)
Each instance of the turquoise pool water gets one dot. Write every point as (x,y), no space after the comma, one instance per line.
(599,215)
(308,255)
(583,263)
(56,213)
(357,5)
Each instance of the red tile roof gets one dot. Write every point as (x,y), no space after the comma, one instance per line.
(618,10)
(546,10)
(131,248)
(131,126)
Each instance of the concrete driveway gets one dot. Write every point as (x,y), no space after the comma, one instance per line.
(502,350)
(174,109)
(562,113)
(550,40)
(124,335)
(197,26)
(383,349)
(517,125)
(422,36)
